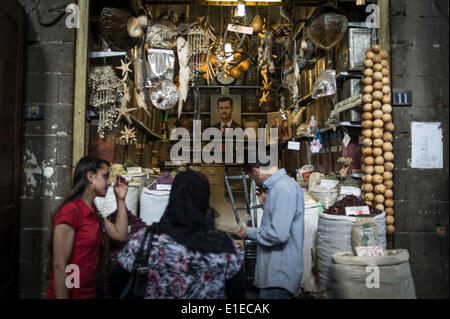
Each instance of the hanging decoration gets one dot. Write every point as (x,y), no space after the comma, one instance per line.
(198,48)
(125,68)
(207,66)
(140,76)
(113,29)
(128,135)
(164,95)
(265,60)
(105,89)
(316,144)
(327,27)
(184,72)
(124,110)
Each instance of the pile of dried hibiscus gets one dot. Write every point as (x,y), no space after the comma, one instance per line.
(339,207)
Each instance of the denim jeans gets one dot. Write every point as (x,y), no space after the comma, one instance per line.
(274,293)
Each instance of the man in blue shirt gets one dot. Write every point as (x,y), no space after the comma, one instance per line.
(279,258)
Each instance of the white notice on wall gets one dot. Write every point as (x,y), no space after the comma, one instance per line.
(295,146)
(426,145)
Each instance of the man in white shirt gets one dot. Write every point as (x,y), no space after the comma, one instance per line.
(225,110)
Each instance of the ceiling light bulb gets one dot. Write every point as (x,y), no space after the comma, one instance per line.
(240,10)
(228,48)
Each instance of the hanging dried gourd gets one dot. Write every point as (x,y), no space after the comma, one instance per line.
(378,156)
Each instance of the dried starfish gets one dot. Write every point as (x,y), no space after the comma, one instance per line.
(263,98)
(128,135)
(123,112)
(140,101)
(124,68)
(267,86)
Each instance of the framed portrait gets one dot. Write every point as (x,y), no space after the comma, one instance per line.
(275,120)
(236,111)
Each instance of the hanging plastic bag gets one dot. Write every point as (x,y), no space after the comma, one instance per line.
(162,65)
(316,145)
(161,34)
(325,84)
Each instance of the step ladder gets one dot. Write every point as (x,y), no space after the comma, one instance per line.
(250,247)
(249,208)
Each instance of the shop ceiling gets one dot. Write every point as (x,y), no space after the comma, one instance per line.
(249,3)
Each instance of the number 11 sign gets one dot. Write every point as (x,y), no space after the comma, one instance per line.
(403,98)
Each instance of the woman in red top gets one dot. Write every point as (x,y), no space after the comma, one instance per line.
(78,240)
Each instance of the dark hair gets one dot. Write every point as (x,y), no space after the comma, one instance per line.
(250,164)
(80,182)
(188,218)
(225,99)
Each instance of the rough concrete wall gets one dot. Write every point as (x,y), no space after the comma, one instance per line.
(419,47)
(47,144)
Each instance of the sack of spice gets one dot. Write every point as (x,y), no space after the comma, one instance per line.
(326,196)
(334,234)
(350,273)
(165,179)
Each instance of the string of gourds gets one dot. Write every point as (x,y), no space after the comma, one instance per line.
(377,151)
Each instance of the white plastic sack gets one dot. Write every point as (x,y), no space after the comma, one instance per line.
(326,196)
(334,235)
(153,205)
(311,223)
(108,204)
(381,277)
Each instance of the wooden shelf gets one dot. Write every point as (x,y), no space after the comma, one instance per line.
(342,124)
(228,86)
(191,113)
(260,114)
(105,54)
(145,129)
(349,74)
(298,138)
(302,100)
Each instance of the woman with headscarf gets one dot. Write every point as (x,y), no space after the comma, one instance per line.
(188,258)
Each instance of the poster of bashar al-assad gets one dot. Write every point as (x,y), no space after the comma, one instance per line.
(275,120)
(225,111)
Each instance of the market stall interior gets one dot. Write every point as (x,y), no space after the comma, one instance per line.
(314,70)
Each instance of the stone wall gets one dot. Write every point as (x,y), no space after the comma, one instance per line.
(419,50)
(47,143)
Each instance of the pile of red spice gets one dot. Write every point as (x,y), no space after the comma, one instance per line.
(350,200)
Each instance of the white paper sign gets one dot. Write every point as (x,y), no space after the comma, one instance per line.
(330,183)
(295,146)
(348,190)
(357,210)
(163,187)
(240,29)
(134,170)
(366,251)
(346,140)
(426,145)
